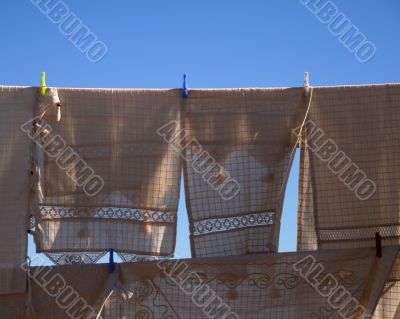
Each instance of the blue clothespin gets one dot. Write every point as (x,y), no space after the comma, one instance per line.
(185,87)
(111,264)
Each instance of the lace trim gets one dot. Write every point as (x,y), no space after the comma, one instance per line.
(52,212)
(359,233)
(72,258)
(127,257)
(215,225)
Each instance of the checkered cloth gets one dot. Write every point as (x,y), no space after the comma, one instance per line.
(350,176)
(238,148)
(107,179)
(17,105)
(287,286)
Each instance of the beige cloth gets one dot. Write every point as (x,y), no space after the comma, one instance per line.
(17,105)
(362,121)
(355,126)
(107,179)
(235,187)
(59,292)
(389,304)
(257,286)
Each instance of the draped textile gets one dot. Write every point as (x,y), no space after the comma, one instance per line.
(288,285)
(389,303)
(17,106)
(237,149)
(107,179)
(349,176)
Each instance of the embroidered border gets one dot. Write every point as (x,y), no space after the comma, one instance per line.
(71,258)
(53,212)
(128,257)
(222,224)
(359,233)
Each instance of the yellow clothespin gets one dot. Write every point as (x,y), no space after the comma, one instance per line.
(43,84)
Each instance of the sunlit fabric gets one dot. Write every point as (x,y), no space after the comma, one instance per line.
(17,107)
(290,285)
(107,178)
(349,173)
(238,146)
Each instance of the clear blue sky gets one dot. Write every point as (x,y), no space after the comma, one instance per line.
(217,43)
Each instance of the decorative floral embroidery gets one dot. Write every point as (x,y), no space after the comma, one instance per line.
(127,257)
(229,223)
(71,258)
(231,281)
(141,300)
(160,295)
(51,212)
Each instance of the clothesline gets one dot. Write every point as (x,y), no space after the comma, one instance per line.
(106,175)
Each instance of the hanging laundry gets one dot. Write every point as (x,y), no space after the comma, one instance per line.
(264,286)
(107,178)
(17,105)
(389,303)
(349,174)
(238,148)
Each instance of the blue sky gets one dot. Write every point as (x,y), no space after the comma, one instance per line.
(217,43)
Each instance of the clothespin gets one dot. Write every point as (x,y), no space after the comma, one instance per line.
(378,244)
(185,87)
(306,83)
(43,84)
(58,112)
(111,264)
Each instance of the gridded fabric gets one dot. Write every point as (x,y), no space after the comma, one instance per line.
(289,285)
(61,292)
(259,286)
(307,239)
(237,149)
(107,179)
(350,177)
(389,304)
(350,164)
(17,105)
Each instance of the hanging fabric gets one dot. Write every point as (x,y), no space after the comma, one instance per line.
(107,178)
(389,303)
(349,176)
(237,148)
(17,106)
(290,285)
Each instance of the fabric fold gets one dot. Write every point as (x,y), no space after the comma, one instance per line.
(237,148)
(107,178)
